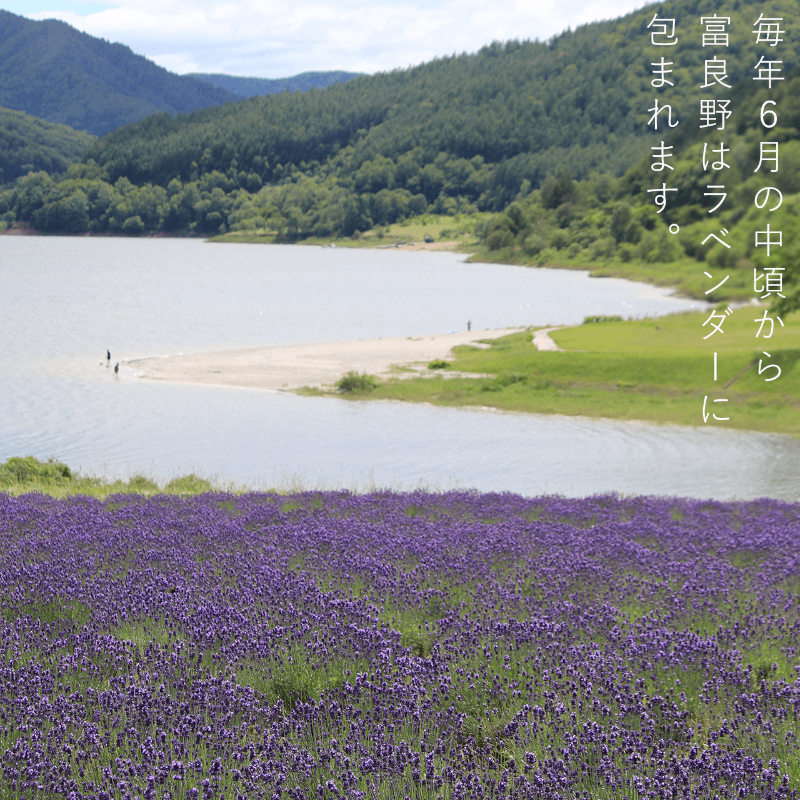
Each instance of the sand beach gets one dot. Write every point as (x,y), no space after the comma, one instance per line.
(313,365)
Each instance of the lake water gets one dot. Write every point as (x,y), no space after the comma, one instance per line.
(64,300)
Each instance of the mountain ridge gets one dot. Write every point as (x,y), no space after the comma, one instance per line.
(252,87)
(50,70)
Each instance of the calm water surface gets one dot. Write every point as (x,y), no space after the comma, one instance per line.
(65,300)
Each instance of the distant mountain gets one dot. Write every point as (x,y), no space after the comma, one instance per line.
(29,144)
(251,87)
(53,71)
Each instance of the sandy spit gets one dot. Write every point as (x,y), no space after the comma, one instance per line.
(313,365)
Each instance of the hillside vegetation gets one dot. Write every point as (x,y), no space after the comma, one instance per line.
(29,144)
(55,72)
(617,224)
(476,128)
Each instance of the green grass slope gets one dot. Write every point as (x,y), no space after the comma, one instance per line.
(655,370)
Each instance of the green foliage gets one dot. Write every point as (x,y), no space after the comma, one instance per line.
(438,363)
(353,382)
(19,470)
(188,484)
(28,144)
(133,225)
(607,222)
(140,484)
(612,318)
(556,190)
(21,475)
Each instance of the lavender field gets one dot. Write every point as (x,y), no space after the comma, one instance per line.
(455,646)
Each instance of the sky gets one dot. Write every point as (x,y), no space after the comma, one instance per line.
(280,38)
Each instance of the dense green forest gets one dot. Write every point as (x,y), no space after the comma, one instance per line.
(554,135)
(54,72)
(29,144)
(252,87)
(471,129)
(606,219)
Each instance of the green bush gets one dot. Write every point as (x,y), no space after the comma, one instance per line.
(603,248)
(353,382)
(141,485)
(533,244)
(503,380)
(626,252)
(30,470)
(438,364)
(133,225)
(559,239)
(613,318)
(188,484)
(499,238)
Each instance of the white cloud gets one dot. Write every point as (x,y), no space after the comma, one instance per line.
(278,39)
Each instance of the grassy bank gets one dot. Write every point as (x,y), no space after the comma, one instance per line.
(656,370)
(684,275)
(450,233)
(24,475)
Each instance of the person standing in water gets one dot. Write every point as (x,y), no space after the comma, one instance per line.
(469,325)
(116,370)
(108,359)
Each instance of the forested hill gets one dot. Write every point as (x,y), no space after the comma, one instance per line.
(29,144)
(252,87)
(476,128)
(612,222)
(51,70)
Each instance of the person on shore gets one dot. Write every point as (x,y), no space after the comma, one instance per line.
(469,325)
(108,359)
(116,370)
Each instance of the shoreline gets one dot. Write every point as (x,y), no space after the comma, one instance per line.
(17,229)
(317,366)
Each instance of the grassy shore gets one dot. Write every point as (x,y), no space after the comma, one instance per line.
(656,370)
(24,475)
(448,233)
(686,275)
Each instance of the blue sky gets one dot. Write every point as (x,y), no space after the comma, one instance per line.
(278,38)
